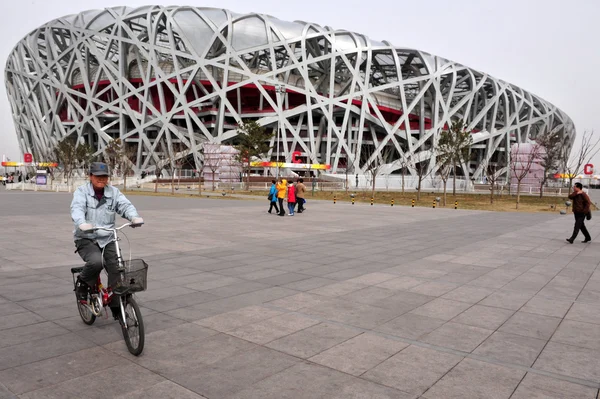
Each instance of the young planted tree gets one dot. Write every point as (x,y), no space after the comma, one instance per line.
(253,141)
(113,154)
(213,160)
(65,153)
(492,171)
(550,156)
(127,162)
(456,145)
(374,161)
(422,169)
(573,163)
(522,158)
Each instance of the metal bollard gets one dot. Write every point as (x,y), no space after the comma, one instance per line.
(434,204)
(352,200)
(413,203)
(371,201)
(392,202)
(455,204)
(334,199)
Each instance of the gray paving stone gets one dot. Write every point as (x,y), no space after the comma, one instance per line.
(547,307)
(535,386)
(484,317)
(234,373)
(31,332)
(457,336)
(507,299)
(531,325)
(411,326)
(313,381)
(313,340)
(568,360)
(443,309)
(121,379)
(271,329)
(413,370)
(475,379)
(38,375)
(578,333)
(162,390)
(468,294)
(359,354)
(511,348)
(587,312)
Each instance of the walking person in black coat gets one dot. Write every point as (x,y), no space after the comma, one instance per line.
(581,211)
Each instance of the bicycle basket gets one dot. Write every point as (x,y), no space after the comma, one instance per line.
(135,276)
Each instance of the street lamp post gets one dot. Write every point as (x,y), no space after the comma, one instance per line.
(279,89)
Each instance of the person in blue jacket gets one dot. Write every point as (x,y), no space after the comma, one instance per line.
(273,197)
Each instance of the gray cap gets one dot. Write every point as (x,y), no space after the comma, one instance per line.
(99,169)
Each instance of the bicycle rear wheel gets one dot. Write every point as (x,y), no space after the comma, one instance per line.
(134,332)
(85,312)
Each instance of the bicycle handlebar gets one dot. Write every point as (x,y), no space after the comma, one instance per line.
(114,228)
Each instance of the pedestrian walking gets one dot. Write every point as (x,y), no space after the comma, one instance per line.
(581,211)
(291,198)
(272,197)
(300,193)
(281,190)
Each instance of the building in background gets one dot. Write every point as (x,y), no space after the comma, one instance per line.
(168,80)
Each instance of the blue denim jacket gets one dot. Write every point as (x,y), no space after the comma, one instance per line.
(85,208)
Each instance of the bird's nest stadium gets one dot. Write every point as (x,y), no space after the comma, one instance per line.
(166,80)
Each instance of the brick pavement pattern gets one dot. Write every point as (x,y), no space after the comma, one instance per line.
(339,302)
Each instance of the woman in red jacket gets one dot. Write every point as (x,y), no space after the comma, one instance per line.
(291,198)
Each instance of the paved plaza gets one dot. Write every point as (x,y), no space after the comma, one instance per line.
(340,302)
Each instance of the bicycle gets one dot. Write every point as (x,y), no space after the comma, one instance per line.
(133,278)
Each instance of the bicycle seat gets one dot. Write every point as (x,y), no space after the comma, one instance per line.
(76,269)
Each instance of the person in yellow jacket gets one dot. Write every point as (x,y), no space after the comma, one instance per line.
(281,187)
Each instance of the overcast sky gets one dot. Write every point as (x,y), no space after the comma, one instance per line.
(548,47)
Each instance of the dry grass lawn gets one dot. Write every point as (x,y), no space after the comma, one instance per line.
(504,203)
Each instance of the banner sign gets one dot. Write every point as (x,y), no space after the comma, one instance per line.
(311,166)
(39,164)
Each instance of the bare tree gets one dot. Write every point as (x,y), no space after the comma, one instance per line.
(455,144)
(253,141)
(213,160)
(72,156)
(522,158)
(113,154)
(422,169)
(492,173)
(550,156)
(127,162)
(574,164)
(374,161)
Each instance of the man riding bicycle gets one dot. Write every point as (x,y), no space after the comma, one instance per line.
(95,205)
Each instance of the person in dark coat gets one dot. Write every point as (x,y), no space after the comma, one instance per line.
(581,208)
(273,195)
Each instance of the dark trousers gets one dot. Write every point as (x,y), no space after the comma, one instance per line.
(95,260)
(580,225)
(281,211)
(300,202)
(273,205)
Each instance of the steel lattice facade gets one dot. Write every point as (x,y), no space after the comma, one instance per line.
(168,79)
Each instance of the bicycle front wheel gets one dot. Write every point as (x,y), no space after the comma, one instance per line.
(134,331)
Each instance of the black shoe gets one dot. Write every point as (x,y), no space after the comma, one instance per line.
(82,289)
(586,241)
(116,313)
(570,240)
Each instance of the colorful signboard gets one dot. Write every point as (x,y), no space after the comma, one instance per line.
(310,166)
(38,164)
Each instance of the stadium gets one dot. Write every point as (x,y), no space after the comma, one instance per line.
(169,80)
